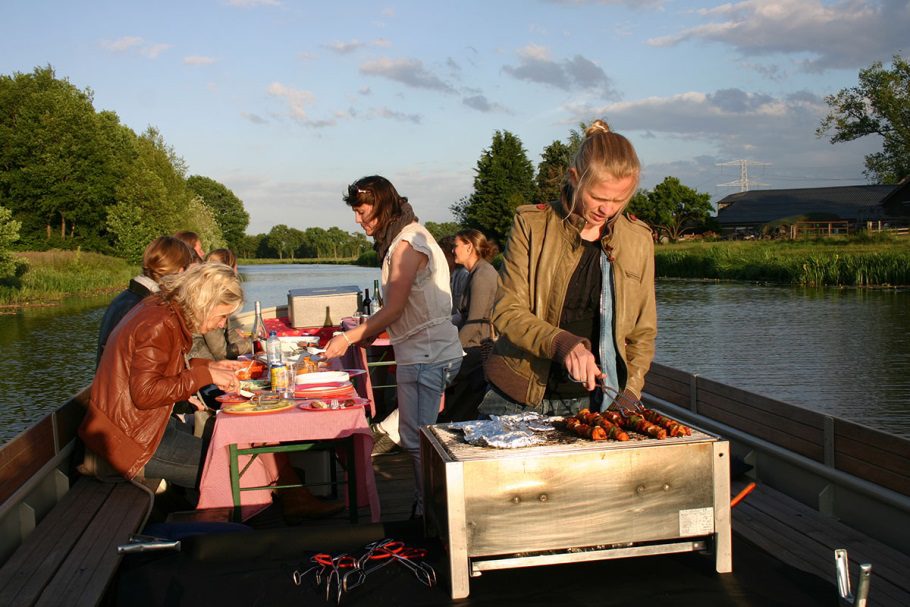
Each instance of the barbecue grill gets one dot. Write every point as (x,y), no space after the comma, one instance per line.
(572,500)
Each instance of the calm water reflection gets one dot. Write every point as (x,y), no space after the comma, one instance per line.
(841,351)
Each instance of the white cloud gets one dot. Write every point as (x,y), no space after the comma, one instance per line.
(121,44)
(296,99)
(410,72)
(135,44)
(841,34)
(577,73)
(198,60)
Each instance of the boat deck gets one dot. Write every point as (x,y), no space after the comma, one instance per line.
(776,542)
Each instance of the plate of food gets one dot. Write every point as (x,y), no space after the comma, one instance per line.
(254,385)
(256,406)
(333,404)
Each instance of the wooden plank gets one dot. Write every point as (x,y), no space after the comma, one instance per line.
(900,447)
(871,454)
(69,416)
(670,373)
(772,435)
(808,432)
(876,474)
(756,401)
(31,567)
(669,391)
(86,573)
(21,458)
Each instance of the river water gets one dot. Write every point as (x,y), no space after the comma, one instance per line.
(841,351)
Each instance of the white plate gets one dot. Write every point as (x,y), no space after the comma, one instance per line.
(323,377)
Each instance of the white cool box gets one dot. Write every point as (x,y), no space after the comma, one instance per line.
(308,307)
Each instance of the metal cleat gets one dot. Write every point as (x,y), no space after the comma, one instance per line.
(842,566)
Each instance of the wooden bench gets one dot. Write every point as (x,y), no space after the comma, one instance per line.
(68,533)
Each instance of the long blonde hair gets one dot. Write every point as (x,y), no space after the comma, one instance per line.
(196,292)
(603,154)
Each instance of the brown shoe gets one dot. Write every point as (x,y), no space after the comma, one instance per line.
(299,504)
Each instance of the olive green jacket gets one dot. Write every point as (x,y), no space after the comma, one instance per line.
(543,250)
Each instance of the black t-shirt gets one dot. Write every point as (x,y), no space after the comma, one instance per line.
(580,316)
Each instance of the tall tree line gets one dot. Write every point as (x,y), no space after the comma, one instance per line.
(75,177)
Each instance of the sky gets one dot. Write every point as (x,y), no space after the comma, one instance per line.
(286,102)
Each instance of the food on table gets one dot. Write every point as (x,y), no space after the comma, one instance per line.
(307,365)
(319,404)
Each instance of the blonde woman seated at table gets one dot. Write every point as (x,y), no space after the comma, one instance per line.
(145,369)
(416,314)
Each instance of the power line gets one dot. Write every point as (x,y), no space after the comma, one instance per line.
(744,183)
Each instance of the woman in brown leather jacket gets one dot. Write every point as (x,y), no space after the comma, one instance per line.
(575,309)
(144,370)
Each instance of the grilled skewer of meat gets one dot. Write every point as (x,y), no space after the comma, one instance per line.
(672,427)
(596,419)
(635,422)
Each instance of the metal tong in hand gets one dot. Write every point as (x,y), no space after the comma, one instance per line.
(623,402)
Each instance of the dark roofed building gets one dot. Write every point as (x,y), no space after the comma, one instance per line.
(856,204)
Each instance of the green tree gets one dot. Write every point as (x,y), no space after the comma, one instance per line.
(551,172)
(60,161)
(504,179)
(10,267)
(284,240)
(671,207)
(439,230)
(201,219)
(248,245)
(227,208)
(878,105)
(152,199)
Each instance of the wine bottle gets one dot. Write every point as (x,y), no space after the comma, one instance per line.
(367,303)
(328,318)
(259,335)
(377,294)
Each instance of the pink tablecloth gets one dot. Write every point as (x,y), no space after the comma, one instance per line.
(291,425)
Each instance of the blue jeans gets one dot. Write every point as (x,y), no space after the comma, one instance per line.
(420,388)
(496,403)
(177,457)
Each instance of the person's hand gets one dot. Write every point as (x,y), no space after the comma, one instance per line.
(224,374)
(336,347)
(194,400)
(582,366)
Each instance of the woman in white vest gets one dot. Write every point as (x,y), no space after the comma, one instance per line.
(416,311)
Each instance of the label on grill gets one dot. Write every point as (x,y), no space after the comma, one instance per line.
(696,521)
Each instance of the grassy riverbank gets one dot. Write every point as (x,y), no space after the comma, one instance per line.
(53,275)
(826,262)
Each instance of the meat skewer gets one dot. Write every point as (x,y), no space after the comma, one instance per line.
(672,427)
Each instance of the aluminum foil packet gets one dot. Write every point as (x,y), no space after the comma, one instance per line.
(506,431)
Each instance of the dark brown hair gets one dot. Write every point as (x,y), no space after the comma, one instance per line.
(190,238)
(486,249)
(164,256)
(379,192)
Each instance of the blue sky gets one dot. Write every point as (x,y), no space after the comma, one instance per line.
(286,102)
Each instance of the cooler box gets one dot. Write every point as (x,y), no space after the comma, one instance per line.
(307,307)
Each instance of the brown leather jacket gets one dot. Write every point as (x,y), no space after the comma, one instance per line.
(543,250)
(142,373)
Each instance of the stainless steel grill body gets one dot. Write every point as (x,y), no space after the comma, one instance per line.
(574,501)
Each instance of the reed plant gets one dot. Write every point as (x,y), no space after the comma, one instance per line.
(53,275)
(825,262)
